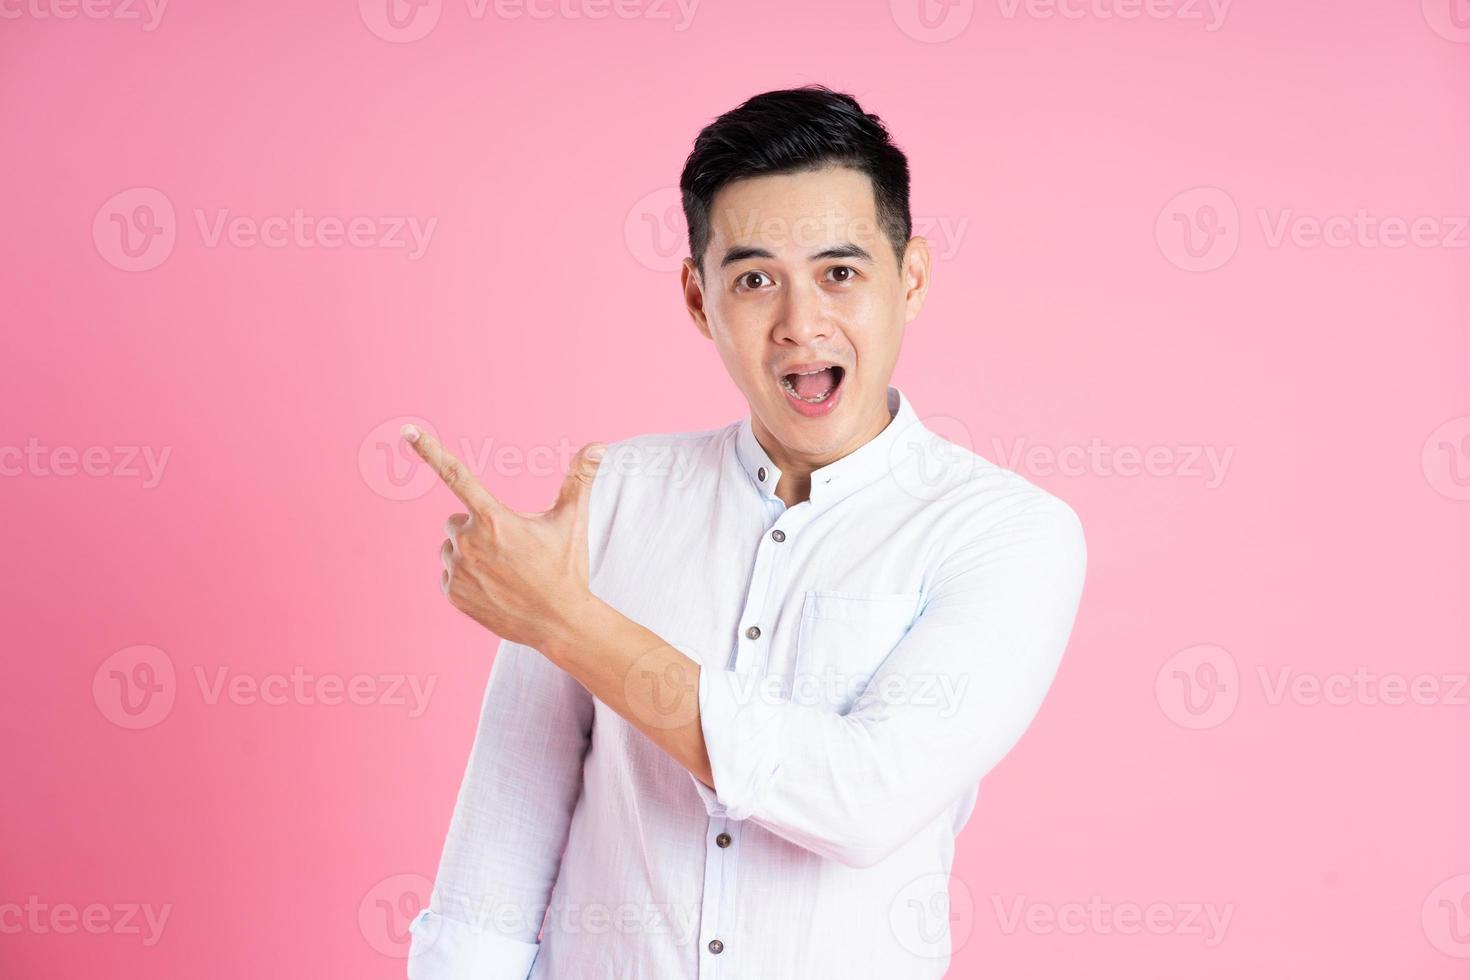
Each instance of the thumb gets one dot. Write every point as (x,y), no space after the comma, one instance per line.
(576,489)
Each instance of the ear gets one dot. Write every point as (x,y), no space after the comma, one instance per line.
(915,271)
(693,285)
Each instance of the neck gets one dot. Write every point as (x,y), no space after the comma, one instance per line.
(796,469)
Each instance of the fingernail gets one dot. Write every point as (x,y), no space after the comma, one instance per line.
(410,432)
(596,453)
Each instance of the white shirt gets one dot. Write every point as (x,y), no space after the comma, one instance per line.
(902,627)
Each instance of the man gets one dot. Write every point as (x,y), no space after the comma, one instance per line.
(750,677)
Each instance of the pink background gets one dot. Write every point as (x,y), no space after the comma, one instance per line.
(1167,768)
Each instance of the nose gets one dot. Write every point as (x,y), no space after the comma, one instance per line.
(801,316)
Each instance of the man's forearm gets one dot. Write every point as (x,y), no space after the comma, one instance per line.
(636,673)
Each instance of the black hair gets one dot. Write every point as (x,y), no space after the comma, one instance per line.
(790,131)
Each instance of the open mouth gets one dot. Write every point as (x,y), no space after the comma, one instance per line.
(813,387)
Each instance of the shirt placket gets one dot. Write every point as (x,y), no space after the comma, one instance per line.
(755,631)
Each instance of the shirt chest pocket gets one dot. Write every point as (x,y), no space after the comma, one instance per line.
(842,639)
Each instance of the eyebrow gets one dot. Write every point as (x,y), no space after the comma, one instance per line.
(847,250)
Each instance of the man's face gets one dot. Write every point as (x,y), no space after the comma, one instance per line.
(806,303)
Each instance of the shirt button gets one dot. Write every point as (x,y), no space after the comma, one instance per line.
(779,534)
(723,840)
(754,632)
(715,946)
(760,474)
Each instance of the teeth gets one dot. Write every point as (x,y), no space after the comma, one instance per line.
(810,401)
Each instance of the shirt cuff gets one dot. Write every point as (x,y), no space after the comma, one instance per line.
(740,718)
(445,949)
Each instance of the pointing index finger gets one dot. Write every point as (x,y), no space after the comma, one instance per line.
(454,474)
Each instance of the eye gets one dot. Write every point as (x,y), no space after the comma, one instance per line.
(852,273)
(745,280)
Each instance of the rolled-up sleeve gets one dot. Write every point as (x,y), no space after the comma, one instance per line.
(945,706)
(506,836)
(447,949)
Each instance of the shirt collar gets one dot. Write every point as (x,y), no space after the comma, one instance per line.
(867,463)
